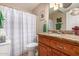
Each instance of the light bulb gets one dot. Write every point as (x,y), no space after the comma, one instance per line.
(56,6)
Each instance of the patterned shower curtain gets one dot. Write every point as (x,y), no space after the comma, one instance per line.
(20,28)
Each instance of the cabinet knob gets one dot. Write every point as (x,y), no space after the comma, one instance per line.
(61,47)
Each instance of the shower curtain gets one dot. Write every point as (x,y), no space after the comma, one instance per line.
(20,28)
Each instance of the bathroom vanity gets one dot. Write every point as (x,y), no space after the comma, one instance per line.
(53,44)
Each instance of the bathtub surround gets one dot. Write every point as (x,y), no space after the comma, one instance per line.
(20,28)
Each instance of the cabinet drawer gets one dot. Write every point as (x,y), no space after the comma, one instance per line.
(54,52)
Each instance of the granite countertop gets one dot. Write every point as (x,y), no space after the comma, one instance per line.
(70,37)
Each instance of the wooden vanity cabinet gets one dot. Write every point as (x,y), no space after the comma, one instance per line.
(52,46)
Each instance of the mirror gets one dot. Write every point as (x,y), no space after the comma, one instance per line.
(57,20)
(62,18)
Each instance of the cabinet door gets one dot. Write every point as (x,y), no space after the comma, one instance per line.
(43,50)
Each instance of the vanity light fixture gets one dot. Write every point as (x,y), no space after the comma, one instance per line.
(56,6)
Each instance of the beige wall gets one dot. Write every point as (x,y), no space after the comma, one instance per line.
(41,8)
(54,16)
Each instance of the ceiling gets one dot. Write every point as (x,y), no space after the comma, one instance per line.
(21,6)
